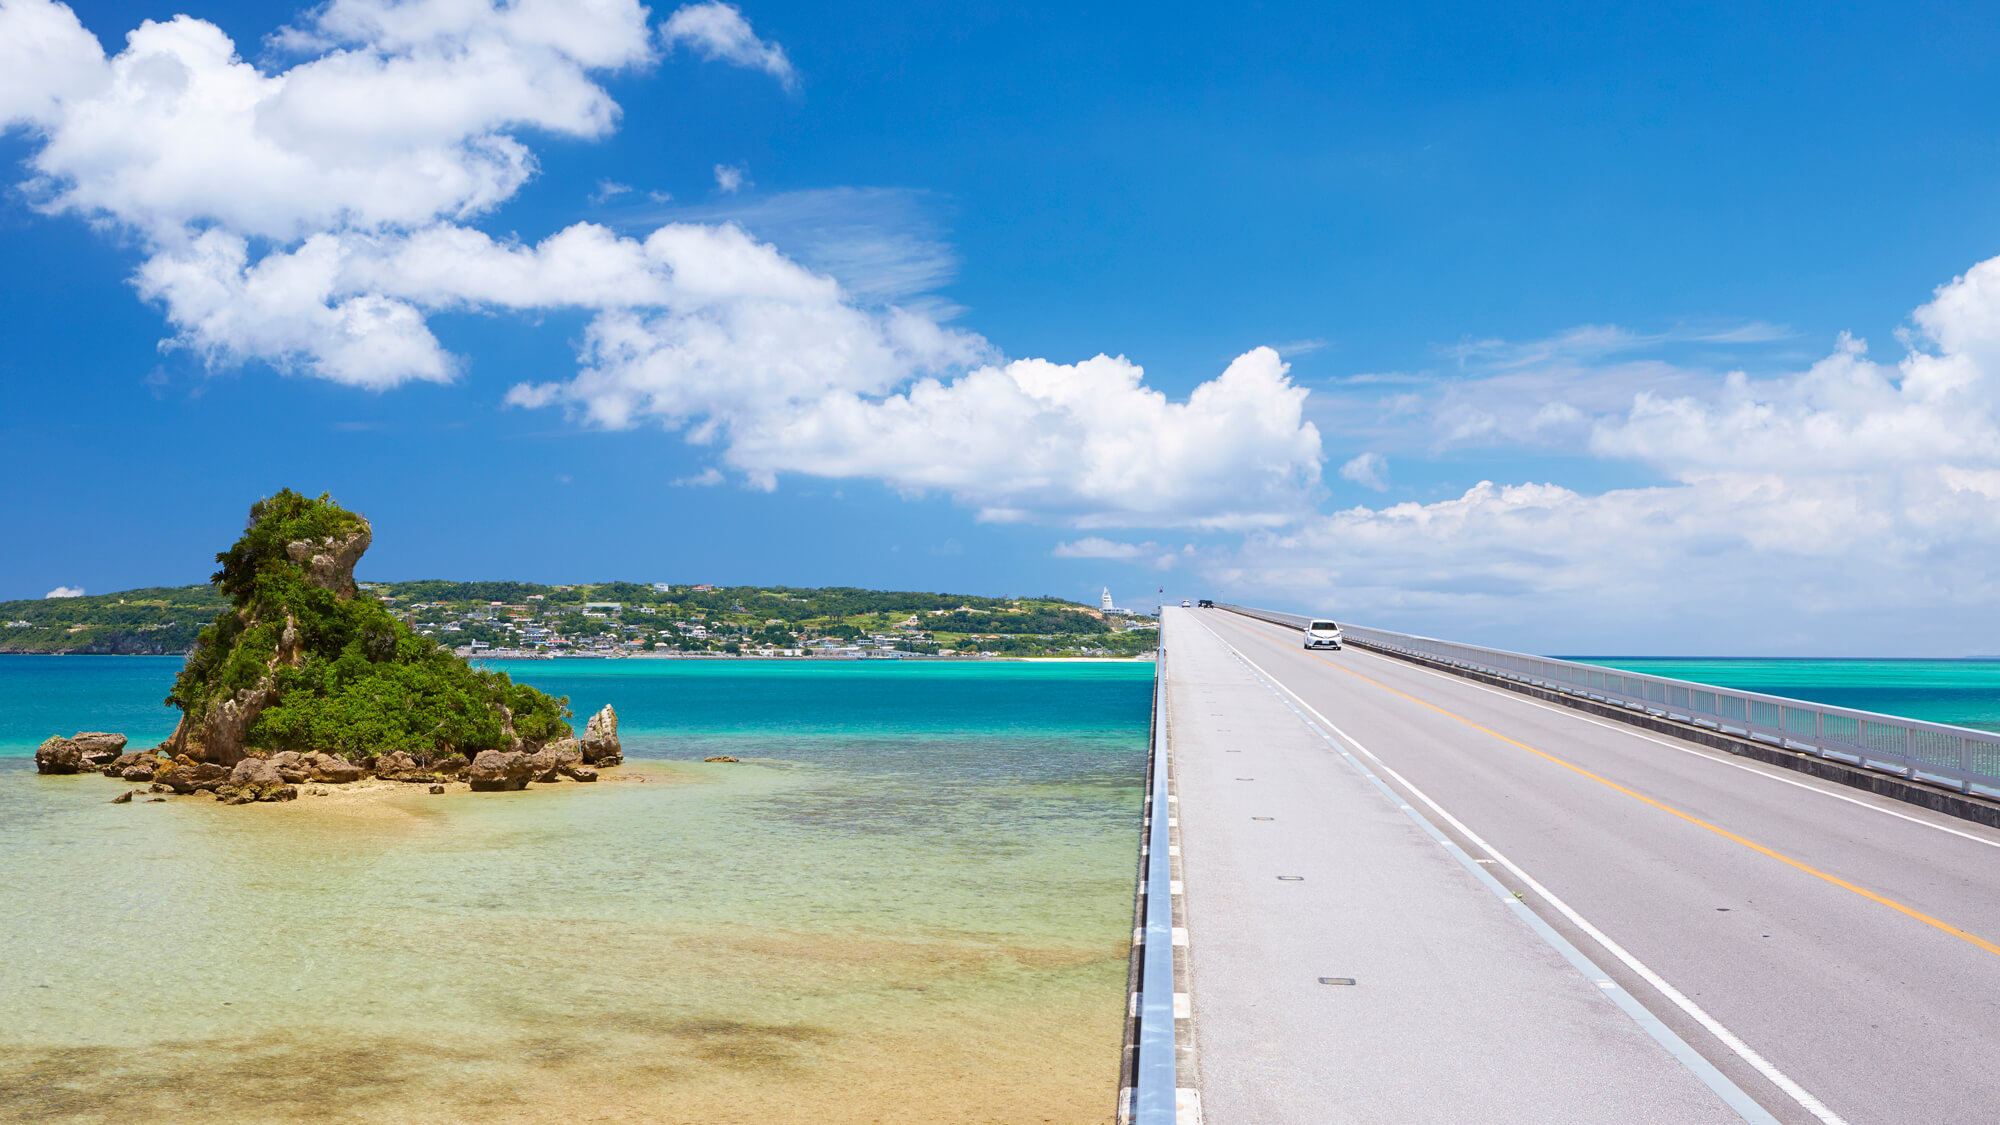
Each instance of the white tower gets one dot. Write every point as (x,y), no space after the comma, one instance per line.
(1104,602)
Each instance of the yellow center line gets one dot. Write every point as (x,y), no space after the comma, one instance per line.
(1725,833)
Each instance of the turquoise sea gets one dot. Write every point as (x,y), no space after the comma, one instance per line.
(1965,692)
(910,902)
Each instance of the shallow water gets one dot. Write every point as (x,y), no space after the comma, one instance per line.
(911,903)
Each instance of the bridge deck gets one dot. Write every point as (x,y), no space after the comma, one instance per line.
(1812,923)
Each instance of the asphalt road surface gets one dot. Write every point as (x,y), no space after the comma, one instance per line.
(1552,917)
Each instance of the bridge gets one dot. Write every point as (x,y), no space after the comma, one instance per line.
(1412,881)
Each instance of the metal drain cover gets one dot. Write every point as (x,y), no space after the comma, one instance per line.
(1336,980)
(1291,878)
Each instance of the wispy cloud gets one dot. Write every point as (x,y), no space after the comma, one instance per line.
(1095,547)
(882,244)
(729,178)
(1292,348)
(718,32)
(706,478)
(608,190)
(1370,470)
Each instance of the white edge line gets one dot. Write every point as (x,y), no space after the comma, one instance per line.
(1720,757)
(1665,1035)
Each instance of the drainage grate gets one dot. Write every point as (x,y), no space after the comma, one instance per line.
(1263,818)
(1291,878)
(1336,980)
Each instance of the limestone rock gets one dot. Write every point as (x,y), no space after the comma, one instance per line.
(323,766)
(255,779)
(600,743)
(568,753)
(451,765)
(117,766)
(59,755)
(227,724)
(397,765)
(720,758)
(143,769)
(99,744)
(542,766)
(292,766)
(83,752)
(185,775)
(329,562)
(124,798)
(436,789)
(500,770)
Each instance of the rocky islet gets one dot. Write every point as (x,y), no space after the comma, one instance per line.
(300,635)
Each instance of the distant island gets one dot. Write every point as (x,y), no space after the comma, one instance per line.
(619,618)
(303,677)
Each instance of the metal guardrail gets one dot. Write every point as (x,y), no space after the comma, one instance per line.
(1961,758)
(1154,1093)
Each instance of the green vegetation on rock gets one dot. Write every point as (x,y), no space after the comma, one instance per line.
(303,661)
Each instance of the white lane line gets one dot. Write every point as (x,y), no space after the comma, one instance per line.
(1728,1038)
(1719,757)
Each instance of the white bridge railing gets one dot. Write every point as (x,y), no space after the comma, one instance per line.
(1959,757)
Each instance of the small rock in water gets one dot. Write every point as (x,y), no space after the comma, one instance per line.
(317,791)
(156,800)
(124,798)
(720,758)
(437,788)
(581,773)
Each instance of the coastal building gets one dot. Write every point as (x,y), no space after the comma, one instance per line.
(1104,602)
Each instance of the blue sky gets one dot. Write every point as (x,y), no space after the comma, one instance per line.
(1526,247)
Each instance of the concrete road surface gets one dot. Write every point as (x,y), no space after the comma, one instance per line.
(1696,937)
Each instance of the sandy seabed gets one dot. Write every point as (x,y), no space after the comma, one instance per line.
(624,951)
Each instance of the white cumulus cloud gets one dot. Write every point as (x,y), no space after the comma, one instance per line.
(1853,507)
(65,592)
(314,218)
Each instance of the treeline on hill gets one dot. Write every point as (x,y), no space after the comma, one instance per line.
(783,602)
(167,620)
(157,619)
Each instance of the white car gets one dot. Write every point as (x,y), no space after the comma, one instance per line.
(1185,604)
(1323,634)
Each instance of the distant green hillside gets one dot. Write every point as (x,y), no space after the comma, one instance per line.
(167,619)
(158,619)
